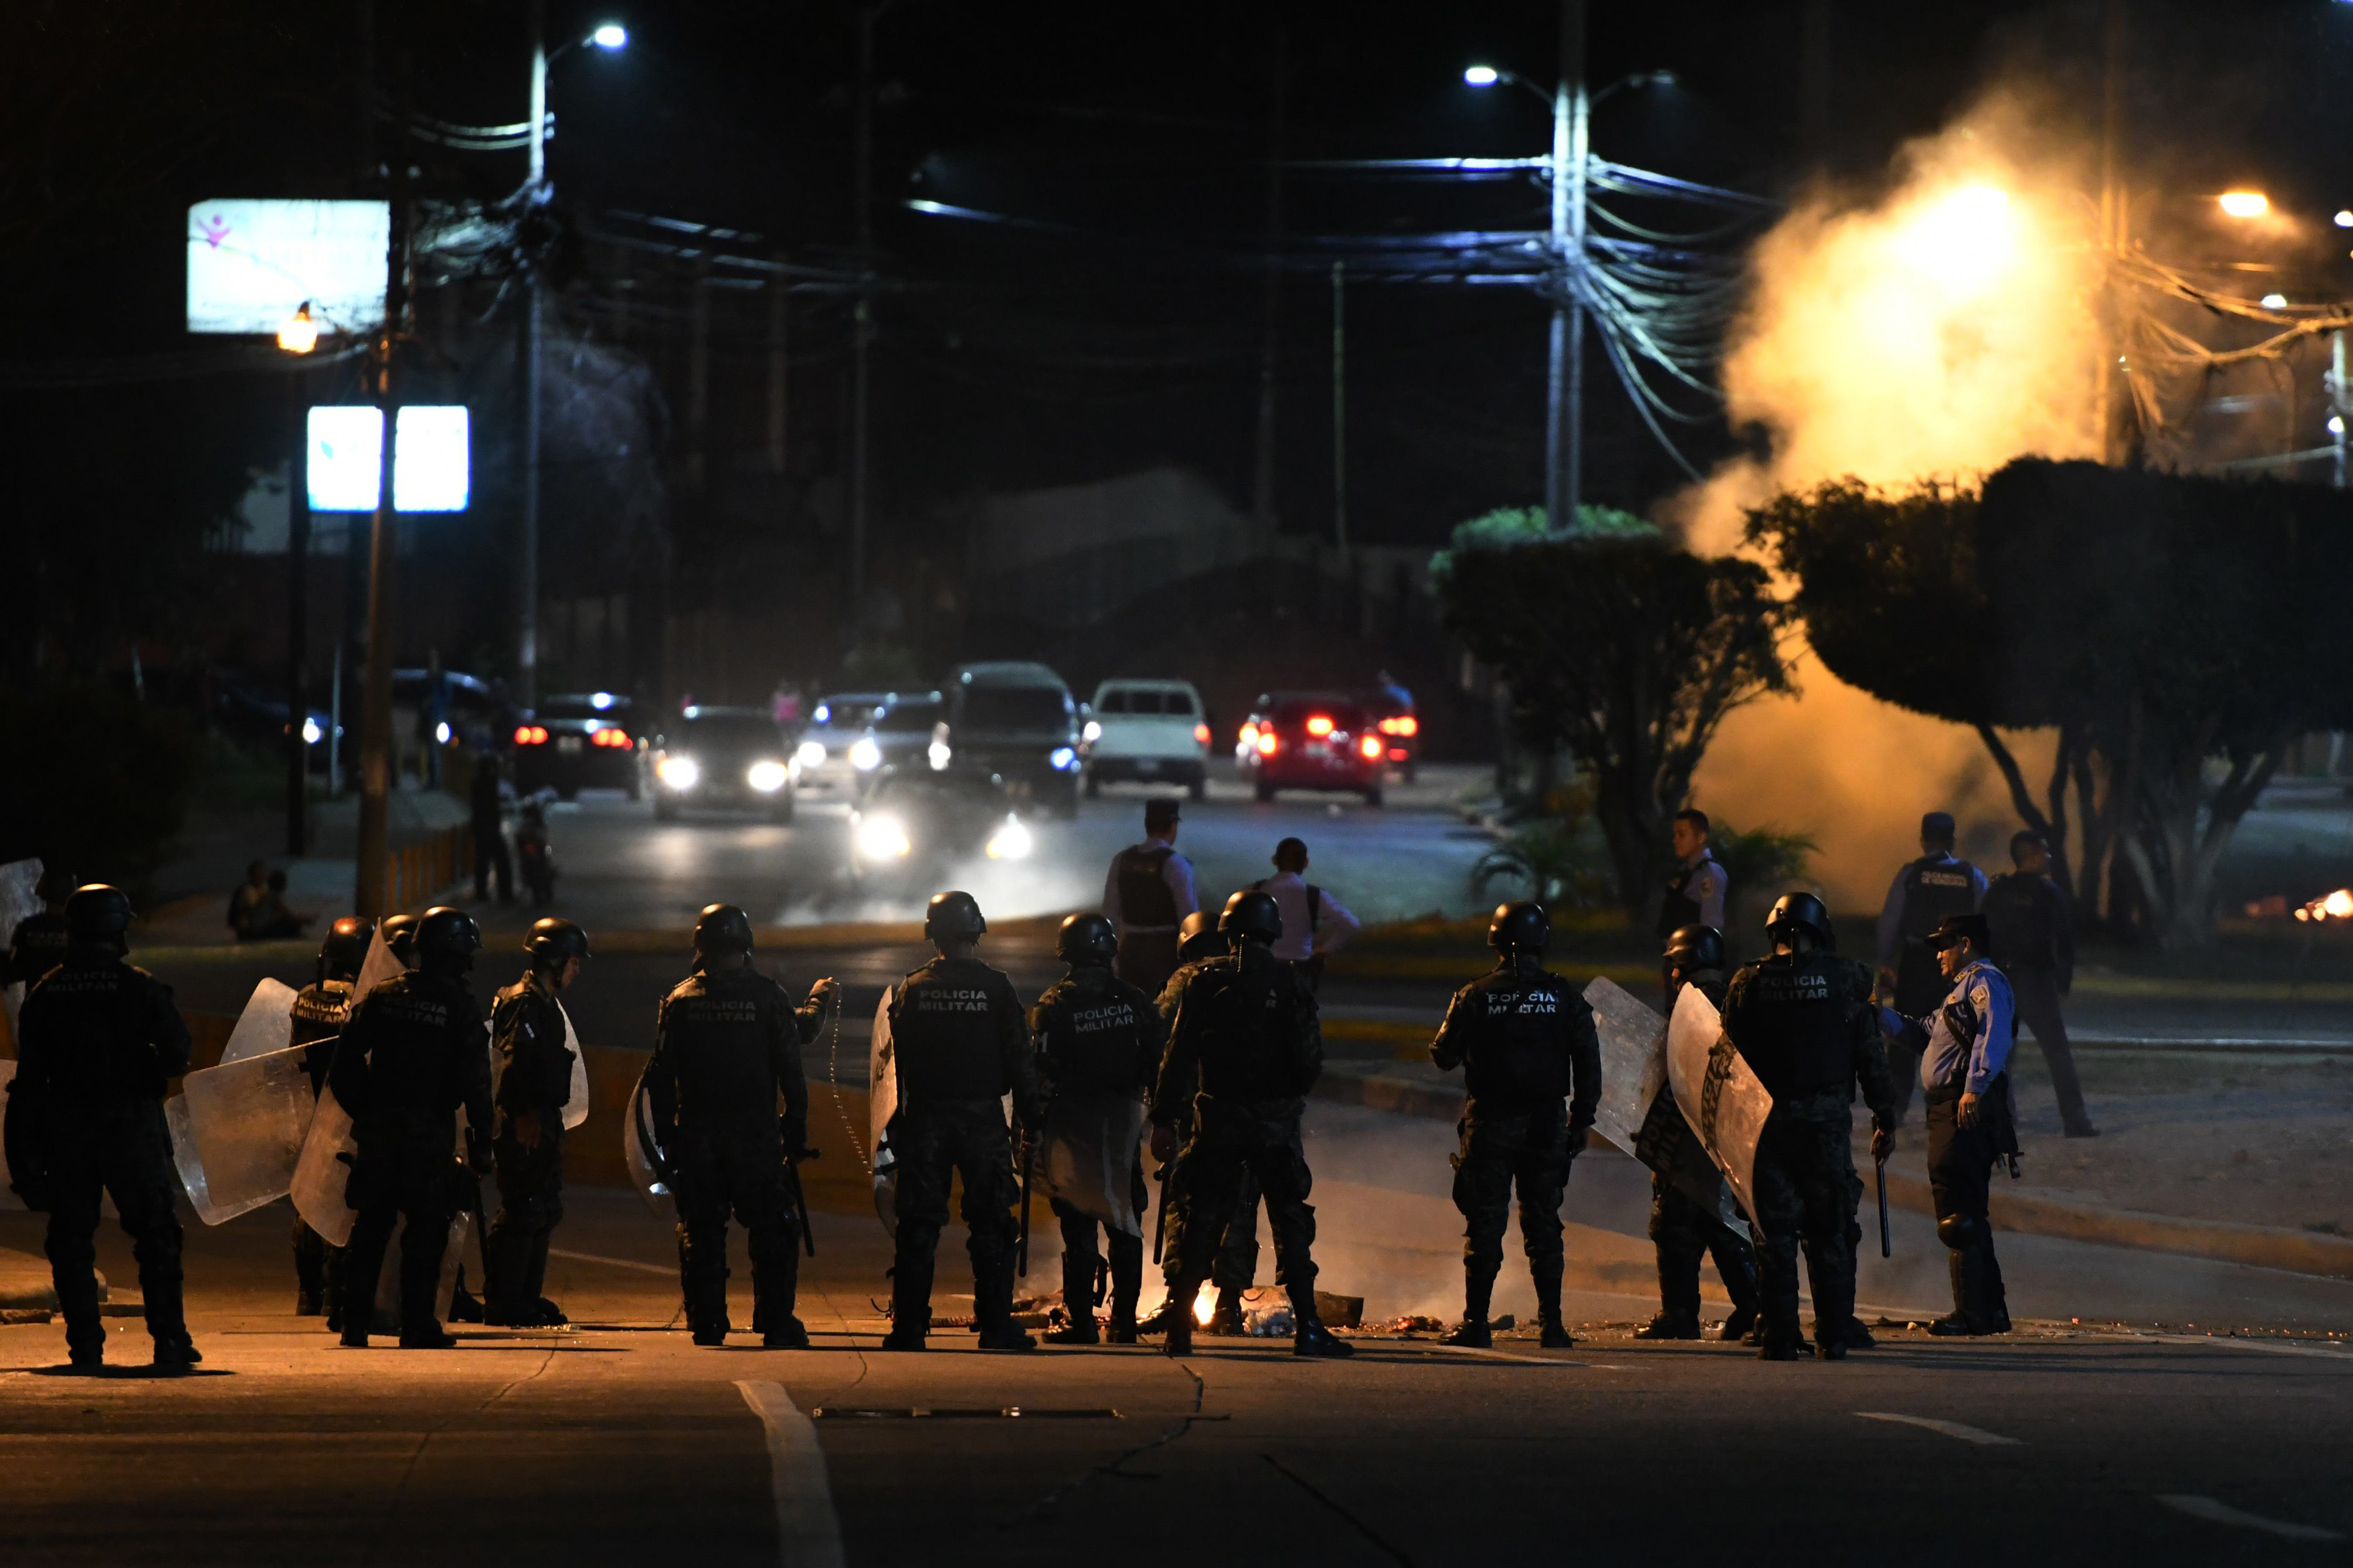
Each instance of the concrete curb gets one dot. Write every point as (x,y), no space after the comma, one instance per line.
(2263,1246)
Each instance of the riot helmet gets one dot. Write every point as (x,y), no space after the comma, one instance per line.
(1694,949)
(1197,938)
(553,941)
(446,940)
(1519,927)
(1250,916)
(99,916)
(952,916)
(1086,940)
(399,933)
(722,930)
(345,949)
(1796,912)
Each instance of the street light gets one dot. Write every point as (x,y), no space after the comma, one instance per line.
(2244,203)
(299,333)
(1482,76)
(611,36)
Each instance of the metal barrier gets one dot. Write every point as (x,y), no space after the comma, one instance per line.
(416,871)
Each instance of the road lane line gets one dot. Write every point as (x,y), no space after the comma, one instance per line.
(1976,1435)
(2217,1512)
(667,1270)
(808,1533)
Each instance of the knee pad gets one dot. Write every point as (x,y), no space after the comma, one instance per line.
(1958,1231)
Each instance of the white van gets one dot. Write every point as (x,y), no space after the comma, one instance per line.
(1148,730)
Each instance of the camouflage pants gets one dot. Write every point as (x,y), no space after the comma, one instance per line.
(1806,1192)
(934,1142)
(738,1172)
(1236,1268)
(1684,1233)
(1233,1146)
(1526,1149)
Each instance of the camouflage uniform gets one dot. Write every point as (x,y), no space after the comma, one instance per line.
(535,1079)
(1687,1211)
(1235,1268)
(1098,1036)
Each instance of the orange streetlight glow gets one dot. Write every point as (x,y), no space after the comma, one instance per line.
(2245,204)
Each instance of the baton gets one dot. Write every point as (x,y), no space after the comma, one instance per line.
(1021,1247)
(1160,1224)
(1886,1248)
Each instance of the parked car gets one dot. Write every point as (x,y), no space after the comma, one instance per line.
(1145,729)
(1398,725)
(1016,724)
(838,751)
(1313,739)
(583,741)
(738,758)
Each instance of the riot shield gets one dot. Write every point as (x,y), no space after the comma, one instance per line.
(386,1318)
(267,1024)
(1091,1150)
(640,1151)
(19,879)
(882,1104)
(1633,1060)
(377,967)
(1719,1096)
(239,1131)
(8,1198)
(324,1170)
(576,1109)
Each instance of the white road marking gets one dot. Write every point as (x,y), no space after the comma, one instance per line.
(668,1270)
(809,1532)
(2215,1512)
(1507,1355)
(1977,1434)
(2271,1347)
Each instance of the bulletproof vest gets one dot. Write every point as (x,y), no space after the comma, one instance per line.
(417,1031)
(1144,896)
(530,1061)
(1095,1033)
(1258,1037)
(95,1027)
(718,1033)
(2021,915)
(320,1010)
(1682,908)
(1787,1016)
(948,1025)
(1517,1048)
(1935,889)
(38,946)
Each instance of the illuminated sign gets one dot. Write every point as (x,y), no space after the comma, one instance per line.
(431,459)
(253,263)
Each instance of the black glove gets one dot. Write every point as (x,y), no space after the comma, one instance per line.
(1578,1138)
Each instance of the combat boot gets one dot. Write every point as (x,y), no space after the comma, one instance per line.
(174,1357)
(1178,1314)
(789,1334)
(1005,1334)
(1123,1330)
(1776,1348)
(1156,1321)
(1228,1319)
(1478,1294)
(426,1335)
(1555,1334)
(1736,1327)
(1080,1332)
(911,1304)
(1669,1326)
(1311,1339)
(1858,1338)
(1471,1333)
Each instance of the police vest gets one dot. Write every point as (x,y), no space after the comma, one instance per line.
(1787,1016)
(37,946)
(100,1031)
(1258,1036)
(533,1065)
(1095,1035)
(1681,909)
(1517,1048)
(1934,889)
(2021,915)
(1144,902)
(320,1009)
(422,1037)
(718,1035)
(948,1027)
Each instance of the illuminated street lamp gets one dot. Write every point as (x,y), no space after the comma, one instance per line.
(611,36)
(299,333)
(2244,203)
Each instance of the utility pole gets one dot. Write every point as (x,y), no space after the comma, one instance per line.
(1271,320)
(376,732)
(1340,410)
(1565,383)
(524,688)
(779,363)
(298,624)
(862,323)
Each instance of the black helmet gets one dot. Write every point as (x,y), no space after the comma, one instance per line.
(1695,948)
(1086,939)
(722,930)
(1519,927)
(954,914)
(56,886)
(1799,911)
(552,941)
(1250,916)
(446,940)
(98,913)
(1198,938)
(345,949)
(399,933)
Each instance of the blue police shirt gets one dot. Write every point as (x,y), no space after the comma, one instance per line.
(1971,1031)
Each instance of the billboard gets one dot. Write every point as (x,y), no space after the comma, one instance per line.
(431,460)
(253,262)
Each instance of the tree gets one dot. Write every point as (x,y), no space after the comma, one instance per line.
(1624,650)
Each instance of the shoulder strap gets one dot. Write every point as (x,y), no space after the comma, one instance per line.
(1314,907)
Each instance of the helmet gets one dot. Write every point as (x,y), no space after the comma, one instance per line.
(1695,948)
(1198,937)
(1799,911)
(1086,939)
(721,931)
(446,940)
(399,933)
(954,914)
(1519,927)
(98,913)
(56,886)
(1251,916)
(345,949)
(553,941)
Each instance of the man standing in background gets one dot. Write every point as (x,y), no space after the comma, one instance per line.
(1696,892)
(1925,894)
(1146,897)
(1314,921)
(2035,932)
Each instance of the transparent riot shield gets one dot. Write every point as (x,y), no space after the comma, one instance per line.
(8,1198)
(639,1145)
(386,1318)
(245,1124)
(324,1171)
(576,1109)
(267,1024)
(1633,1060)
(1719,1096)
(882,1104)
(1089,1160)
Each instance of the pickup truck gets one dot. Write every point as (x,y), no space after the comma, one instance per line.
(1147,731)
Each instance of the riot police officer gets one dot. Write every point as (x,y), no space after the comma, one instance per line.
(1236,1260)
(399,933)
(1245,1049)
(1532,1062)
(1938,885)
(411,1054)
(532,1066)
(961,1043)
(39,943)
(727,1048)
(320,1011)
(1803,1021)
(99,1039)
(1099,1038)
(1686,1190)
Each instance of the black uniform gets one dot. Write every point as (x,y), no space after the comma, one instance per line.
(98,1041)
(37,946)
(962,1043)
(413,1053)
(1245,1033)
(533,1071)
(1098,1037)
(727,1047)
(320,1010)
(1806,1026)
(2033,937)
(1934,888)
(1235,1268)
(1684,1227)
(1532,1062)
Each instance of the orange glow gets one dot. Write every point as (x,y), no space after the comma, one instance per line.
(1320,725)
(1403,724)
(1204,1304)
(2244,203)
(1250,734)
(530,735)
(1370,746)
(1266,743)
(609,736)
(1201,734)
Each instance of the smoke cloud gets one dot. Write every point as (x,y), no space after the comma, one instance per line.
(1939,328)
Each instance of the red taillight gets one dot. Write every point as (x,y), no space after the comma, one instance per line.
(1201,734)
(1404,724)
(1397,753)
(1370,748)
(1320,725)
(530,735)
(1266,743)
(608,736)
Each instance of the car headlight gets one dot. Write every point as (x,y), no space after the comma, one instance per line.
(767,777)
(311,732)
(939,754)
(678,772)
(811,754)
(1010,842)
(882,838)
(1093,732)
(1064,759)
(865,755)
